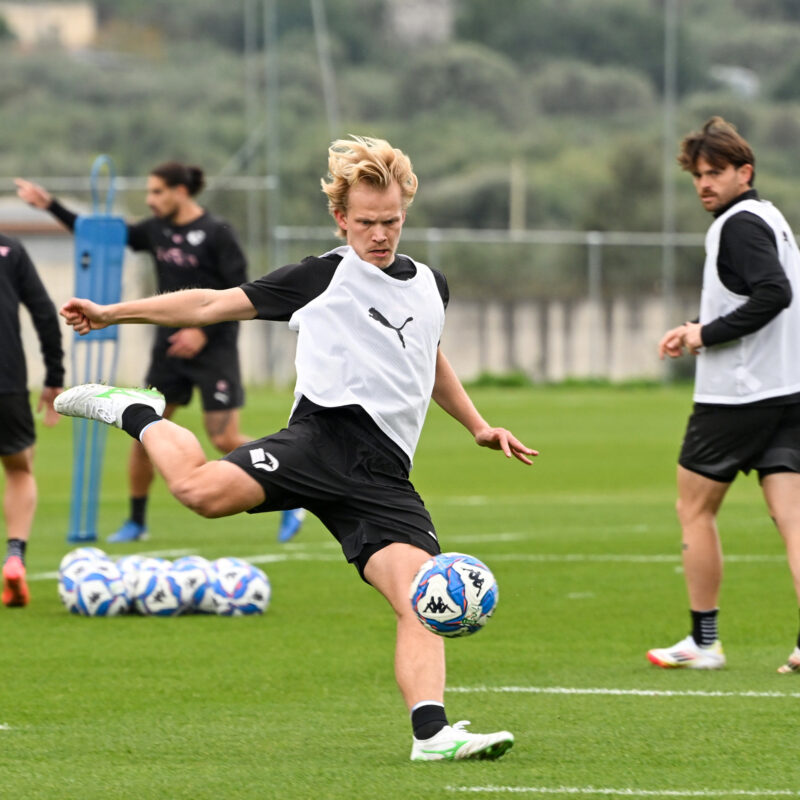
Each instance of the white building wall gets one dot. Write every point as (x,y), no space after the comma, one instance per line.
(69,25)
(546,340)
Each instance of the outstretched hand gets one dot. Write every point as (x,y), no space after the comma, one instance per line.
(502,439)
(83,315)
(33,194)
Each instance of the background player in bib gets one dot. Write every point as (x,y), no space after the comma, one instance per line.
(190,248)
(20,285)
(368,362)
(747,386)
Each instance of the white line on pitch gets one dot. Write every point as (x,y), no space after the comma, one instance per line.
(549,499)
(263,558)
(627,792)
(615,692)
(628,558)
(551,558)
(167,553)
(488,537)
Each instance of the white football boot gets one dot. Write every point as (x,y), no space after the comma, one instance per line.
(688,655)
(105,403)
(453,743)
(792,665)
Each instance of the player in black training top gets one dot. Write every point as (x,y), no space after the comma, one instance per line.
(746,414)
(190,249)
(20,284)
(361,396)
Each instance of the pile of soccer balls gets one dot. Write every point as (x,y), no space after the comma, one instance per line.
(93,585)
(454,594)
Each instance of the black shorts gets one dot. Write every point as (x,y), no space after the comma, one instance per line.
(332,464)
(17,431)
(722,440)
(215,373)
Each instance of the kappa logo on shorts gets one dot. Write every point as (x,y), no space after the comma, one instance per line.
(263,460)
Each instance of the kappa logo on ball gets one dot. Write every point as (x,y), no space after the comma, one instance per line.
(263,460)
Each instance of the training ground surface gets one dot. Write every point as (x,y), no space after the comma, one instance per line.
(301,703)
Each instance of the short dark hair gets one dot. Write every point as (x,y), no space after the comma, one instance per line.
(173,173)
(720,144)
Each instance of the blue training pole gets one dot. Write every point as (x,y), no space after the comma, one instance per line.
(100,240)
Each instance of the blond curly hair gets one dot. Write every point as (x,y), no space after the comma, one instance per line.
(373,161)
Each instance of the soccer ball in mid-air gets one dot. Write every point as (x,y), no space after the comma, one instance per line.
(453,594)
(157,593)
(100,590)
(239,588)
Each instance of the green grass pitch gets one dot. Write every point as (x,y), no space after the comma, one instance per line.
(301,702)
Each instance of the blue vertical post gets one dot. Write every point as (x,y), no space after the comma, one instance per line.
(100,240)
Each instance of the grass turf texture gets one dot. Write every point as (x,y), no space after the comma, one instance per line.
(301,703)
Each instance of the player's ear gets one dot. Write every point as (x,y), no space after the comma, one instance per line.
(341,219)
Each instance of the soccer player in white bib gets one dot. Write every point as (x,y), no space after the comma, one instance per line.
(368,363)
(747,385)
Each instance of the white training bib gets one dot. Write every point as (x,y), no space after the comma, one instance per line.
(371,340)
(764,363)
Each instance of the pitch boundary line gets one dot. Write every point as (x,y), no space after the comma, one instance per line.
(628,558)
(545,558)
(626,792)
(565,690)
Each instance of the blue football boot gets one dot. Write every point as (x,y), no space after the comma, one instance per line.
(291,522)
(129,532)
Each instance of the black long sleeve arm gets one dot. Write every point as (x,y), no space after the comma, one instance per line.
(62,214)
(748,265)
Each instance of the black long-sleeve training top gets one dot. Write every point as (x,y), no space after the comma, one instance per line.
(748,265)
(20,284)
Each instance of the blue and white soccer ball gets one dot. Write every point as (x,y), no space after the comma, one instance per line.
(194,560)
(157,593)
(194,576)
(73,566)
(68,579)
(82,554)
(239,588)
(100,590)
(131,565)
(454,594)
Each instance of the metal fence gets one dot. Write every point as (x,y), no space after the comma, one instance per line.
(551,304)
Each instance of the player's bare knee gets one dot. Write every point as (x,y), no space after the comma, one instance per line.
(691,511)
